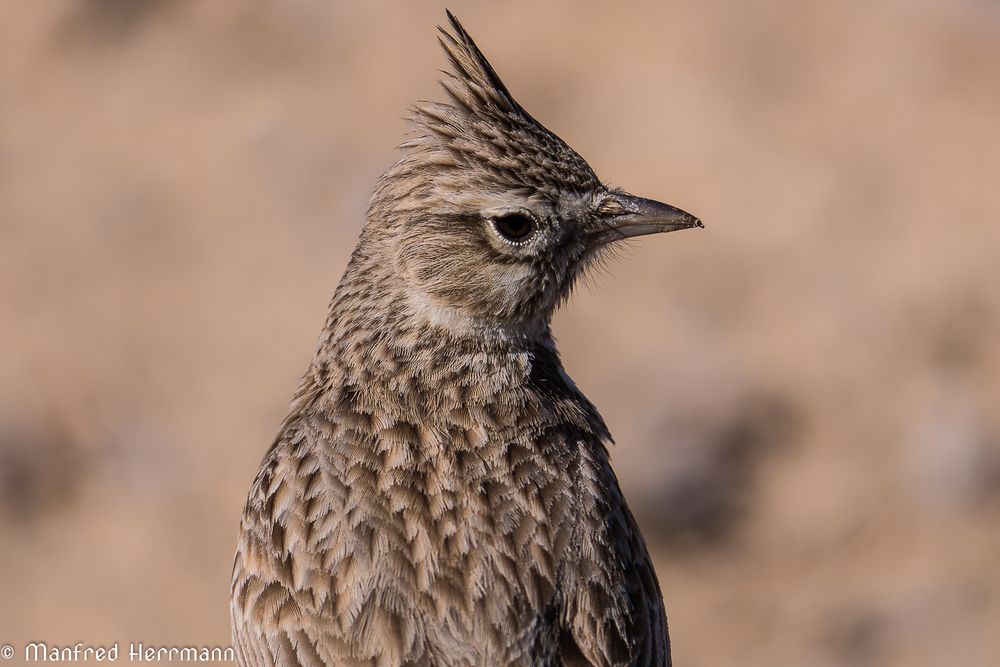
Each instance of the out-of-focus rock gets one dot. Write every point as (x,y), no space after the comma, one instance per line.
(709,457)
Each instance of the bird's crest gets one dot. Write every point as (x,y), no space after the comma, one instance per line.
(473,85)
(483,126)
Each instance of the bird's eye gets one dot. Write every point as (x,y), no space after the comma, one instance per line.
(515,228)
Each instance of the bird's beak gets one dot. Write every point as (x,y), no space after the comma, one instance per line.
(630,216)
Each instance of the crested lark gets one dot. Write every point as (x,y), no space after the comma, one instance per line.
(441,492)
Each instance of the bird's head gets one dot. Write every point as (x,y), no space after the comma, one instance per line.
(489,217)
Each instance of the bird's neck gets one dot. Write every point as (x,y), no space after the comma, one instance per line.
(392,349)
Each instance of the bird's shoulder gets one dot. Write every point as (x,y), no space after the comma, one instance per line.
(368,535)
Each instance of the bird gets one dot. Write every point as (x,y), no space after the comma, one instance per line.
(440,492)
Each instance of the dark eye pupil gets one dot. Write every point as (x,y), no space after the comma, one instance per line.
(514,226)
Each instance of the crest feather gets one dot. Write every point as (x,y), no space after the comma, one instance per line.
(482,134)
(474,82)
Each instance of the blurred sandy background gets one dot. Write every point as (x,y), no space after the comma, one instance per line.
(806,395)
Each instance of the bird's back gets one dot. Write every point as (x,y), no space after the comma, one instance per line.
(494,533)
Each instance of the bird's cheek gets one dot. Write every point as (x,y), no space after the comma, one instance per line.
(491,290)
(507,288)
(511,281)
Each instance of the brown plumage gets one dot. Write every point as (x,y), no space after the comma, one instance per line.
(441,492)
